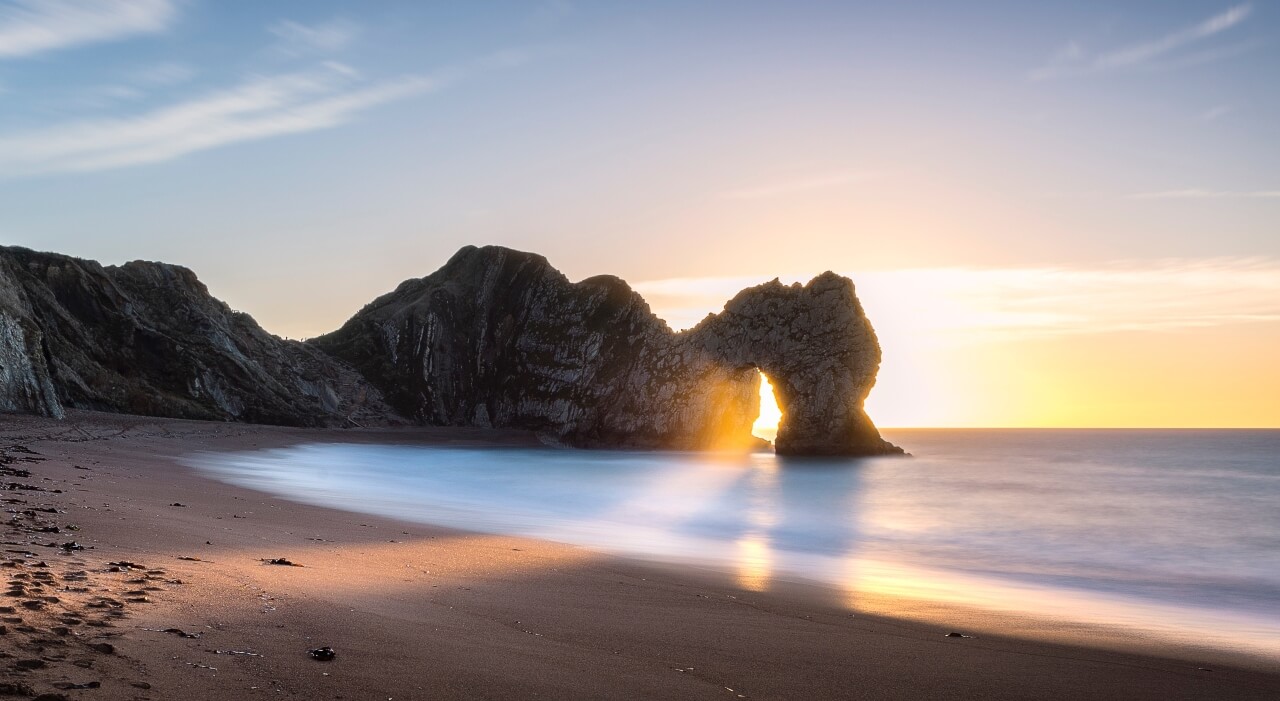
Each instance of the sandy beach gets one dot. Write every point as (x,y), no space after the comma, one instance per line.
(173,596)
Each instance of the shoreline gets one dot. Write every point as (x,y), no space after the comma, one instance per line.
(418,611)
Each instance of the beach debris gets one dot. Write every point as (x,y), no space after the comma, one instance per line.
(73,685)
(71,545)
(237,652)
(176,631)
(192,559)
(281,561)
(323,654)
(125,565)
(104,602)
(177,504)
(954,634)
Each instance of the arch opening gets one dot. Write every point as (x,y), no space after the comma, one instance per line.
(766,424)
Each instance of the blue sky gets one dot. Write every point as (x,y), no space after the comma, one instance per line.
(305,156)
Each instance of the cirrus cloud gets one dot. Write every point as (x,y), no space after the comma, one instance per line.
(1074,59)
(296,38)
(968,304)
(260,107)
(29,27)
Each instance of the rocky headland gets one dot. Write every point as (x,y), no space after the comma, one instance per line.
(495,338)
(148,338)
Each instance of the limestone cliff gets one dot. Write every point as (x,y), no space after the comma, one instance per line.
(500,338)
(147,338)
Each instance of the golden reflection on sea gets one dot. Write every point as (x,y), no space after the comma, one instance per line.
(755,558)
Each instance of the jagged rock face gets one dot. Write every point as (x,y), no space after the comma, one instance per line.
(500,338)
(147,338)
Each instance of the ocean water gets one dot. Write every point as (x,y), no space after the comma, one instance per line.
(1173,534)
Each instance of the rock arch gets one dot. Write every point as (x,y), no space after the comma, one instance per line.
(820,352)
(500,338)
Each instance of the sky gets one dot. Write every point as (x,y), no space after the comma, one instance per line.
(1055,213)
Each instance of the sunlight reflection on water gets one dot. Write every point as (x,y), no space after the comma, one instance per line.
(1160,532)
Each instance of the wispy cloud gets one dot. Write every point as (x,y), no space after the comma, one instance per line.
(1202,194)
(1074,59)
(1216,112)
(163,74)
(258,108)
(134,85)
(973,304)
(819,181)
(297,39)
(548,14)
(342,68)
(1147,51)
(29,27)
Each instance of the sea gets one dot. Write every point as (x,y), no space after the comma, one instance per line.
(1167,533)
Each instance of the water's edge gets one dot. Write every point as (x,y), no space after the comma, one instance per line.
(769,523)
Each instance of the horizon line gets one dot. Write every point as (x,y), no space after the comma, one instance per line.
(1078,428)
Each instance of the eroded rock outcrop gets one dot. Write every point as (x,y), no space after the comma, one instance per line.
(500,338)
(147,338)
(495,338)
(820,352)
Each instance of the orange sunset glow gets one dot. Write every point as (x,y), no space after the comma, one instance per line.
(568,349)
(1172,343)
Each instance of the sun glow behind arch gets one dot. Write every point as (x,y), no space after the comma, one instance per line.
(1085,346)
(766,424)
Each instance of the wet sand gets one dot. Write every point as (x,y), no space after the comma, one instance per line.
(173,597)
